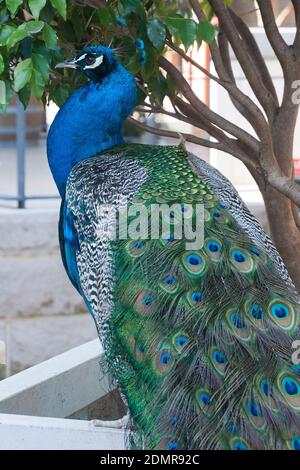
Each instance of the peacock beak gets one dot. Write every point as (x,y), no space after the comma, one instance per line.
(69,63)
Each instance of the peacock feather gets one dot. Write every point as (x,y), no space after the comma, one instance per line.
(199,340)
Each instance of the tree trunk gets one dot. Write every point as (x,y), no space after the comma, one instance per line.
(284,231)
(281,212)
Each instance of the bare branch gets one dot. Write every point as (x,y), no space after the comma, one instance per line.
(256,54)
(195,4)
(222,65)
(285,186)
(175,135)
(277,42)
(246,61)
(232,146)
(297,37)
(206,125)
(175,115)
(215,118)
(247,107)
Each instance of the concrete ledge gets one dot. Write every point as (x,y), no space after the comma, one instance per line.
(35,433)
(58,387)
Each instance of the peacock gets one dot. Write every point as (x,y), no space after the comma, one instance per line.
(198,339)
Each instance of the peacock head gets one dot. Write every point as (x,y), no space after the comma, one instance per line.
(96,62)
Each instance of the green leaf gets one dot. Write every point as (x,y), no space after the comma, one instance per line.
(206,31)
(105,16)
(2,66)
(185,28)
(61,7)
(207,9)
(158,86)
(5,33)
(24,95)
(32,27)
(41,65)
(133,65)
(131,6)
(2,93)
(16,37)
(156,33)
(25,29)
(6,94)
(61,94)
(13,5)
(49,37)
(36,6)
(22,74)
(140,97)
(150,67)
(37,84)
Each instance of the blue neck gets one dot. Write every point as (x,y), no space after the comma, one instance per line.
(89,122)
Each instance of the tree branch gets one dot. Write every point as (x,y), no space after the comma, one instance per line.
(176,135)
(277,42)
(246,61)
(250,110)
(296,44)
(195,4)
(222,63)
(215,118)
(256,54)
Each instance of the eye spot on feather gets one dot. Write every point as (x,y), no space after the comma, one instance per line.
(204,401)
(136,248)
(282,314)
(164,360)
(238,444)
(256,311)
(168,240)
(140,351)
(238,324)
(280,311)
(255,414)
(145,303)
(194,263)
(266,391)
(219,361)
(241,260)
(295,443)
(233,429)
(180,342)
(213,248)
(237,320)
(168,444)
(254,251)
(289,387)
(169,284)
(220,216)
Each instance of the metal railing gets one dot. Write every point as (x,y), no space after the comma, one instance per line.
(20,130)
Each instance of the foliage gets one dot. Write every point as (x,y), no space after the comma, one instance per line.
(36,34)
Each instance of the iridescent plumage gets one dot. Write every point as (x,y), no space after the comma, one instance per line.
(199,340)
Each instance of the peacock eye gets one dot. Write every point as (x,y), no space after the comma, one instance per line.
(90,59)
